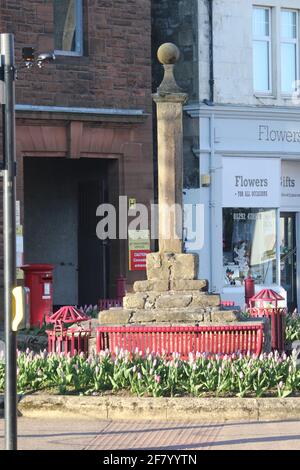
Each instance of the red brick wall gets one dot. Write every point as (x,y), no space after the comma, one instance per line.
(115,70)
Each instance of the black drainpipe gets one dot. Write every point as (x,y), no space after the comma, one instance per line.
(211,52)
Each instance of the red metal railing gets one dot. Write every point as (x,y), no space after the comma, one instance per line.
(68,340)
(182,339)
(227,303)
(105,304)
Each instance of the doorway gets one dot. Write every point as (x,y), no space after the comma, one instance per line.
(93,254)
(288,257)
(60,201)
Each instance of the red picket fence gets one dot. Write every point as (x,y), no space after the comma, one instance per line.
(106,304)
(182,339)
(227,303)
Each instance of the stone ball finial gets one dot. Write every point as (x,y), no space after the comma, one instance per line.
(168,53)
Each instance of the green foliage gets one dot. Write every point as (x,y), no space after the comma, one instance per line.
(244,315)
(91,311)
(37,331)
(292,330)
(154,375)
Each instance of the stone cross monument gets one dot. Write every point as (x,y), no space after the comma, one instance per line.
(172,293)
(169,100)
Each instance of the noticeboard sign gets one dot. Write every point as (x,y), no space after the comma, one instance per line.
(139,247)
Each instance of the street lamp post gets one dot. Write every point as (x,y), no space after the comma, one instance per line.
(9,230)
(8,75)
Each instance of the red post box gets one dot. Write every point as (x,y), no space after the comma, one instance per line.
(39,279)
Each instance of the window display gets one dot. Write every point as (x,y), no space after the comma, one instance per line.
(249,244)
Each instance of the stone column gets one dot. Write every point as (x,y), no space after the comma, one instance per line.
(169,100)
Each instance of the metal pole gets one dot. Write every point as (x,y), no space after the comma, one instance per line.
(9,211)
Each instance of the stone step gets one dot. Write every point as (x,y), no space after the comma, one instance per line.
(169,315)
(189,285)
(150,286)
(170,299)
(116,316)
(173,315)
(175,285)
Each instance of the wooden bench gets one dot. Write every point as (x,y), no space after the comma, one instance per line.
(223,339)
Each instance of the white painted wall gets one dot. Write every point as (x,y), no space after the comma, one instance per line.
(232,28)
(232,126)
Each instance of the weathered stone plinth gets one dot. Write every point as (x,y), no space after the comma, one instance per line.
(172,266)
(172,295)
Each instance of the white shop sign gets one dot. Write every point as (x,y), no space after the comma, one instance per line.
(290,184)
(257,135)
(251,182)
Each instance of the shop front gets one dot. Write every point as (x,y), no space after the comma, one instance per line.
(252,202)
(250,210)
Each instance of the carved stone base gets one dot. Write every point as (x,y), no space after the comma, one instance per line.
(172,294)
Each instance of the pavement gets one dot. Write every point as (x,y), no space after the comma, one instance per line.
(93,434)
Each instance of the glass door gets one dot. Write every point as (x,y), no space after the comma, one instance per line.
(288,255)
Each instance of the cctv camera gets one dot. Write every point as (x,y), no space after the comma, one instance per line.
(45,57)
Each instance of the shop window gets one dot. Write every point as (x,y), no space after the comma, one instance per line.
(68,27)
(249,244)
(262,50)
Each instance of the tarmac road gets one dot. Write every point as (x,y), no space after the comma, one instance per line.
(72,434)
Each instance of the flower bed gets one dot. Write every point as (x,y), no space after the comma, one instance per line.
(150,375)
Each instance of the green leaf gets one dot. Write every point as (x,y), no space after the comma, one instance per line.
(286,393)
(127,373)
(113,382)
(69,378)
